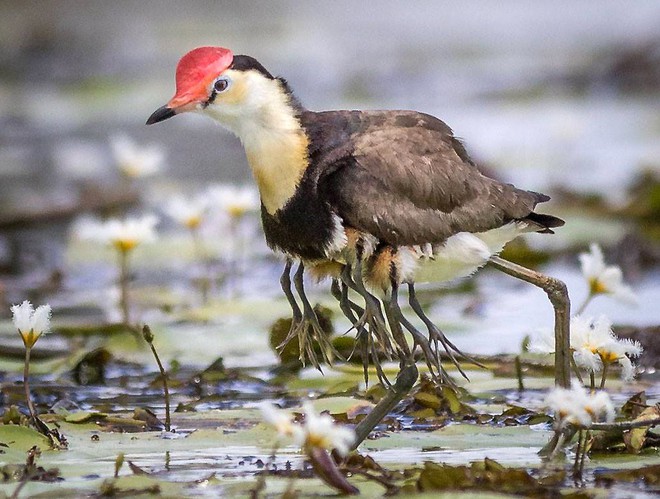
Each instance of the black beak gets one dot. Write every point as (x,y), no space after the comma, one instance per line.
(161,114)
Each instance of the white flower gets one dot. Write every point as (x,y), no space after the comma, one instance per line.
(593,344)
(122,234)
(604,279)
(577,406)
(31,324)
(281,420)
(322,432)
(317,431)
(233,200)
(187,211)
(134,160)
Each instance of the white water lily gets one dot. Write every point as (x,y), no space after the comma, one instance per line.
(279,419)
(579,407)
(322,432)
(189,212)
(602,278)
(134,160)
(318,431)
(124,234)
(31,323)
(234,200)
(594,345)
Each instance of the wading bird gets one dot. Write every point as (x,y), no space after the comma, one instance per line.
(374,199)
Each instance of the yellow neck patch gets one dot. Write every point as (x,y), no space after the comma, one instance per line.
(278,164)
(260,113)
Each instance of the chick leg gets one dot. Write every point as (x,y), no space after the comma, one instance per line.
(305,325)
(436,335)
(371,328)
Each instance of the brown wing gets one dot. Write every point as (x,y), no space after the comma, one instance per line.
(403,177)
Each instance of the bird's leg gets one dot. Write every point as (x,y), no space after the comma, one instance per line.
(436,335)
(304,324)
(373,313)
(429,350)
(311,328)
(372,318)
(348,307)
(340,291)
(558,295)
(296,317)
(394,316)
(404,382)
(285,282)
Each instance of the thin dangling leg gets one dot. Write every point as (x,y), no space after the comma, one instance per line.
(436,335)
(394,315)
(404,382)
(558,295)
(313,329)
(372,318)
(285,282)
(350,309)
(305,324)
(371,302)
(429,352)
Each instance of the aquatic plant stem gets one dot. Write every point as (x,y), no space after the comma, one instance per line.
(57,440)
(576,370)
(585,448)
(578,452)
(519,374)
(200,256)
(26,385)
(585,303)
(260,485)
(606,367)
(149,338)
(123,285)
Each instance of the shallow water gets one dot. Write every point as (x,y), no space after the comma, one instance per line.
(524,84)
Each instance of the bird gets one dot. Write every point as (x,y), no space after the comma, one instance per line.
(376,200)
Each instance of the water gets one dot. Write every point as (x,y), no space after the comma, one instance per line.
(525,84)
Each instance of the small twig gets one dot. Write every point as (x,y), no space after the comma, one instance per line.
(149,338)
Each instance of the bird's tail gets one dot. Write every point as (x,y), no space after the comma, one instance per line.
(544,222)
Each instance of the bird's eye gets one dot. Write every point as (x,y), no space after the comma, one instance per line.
(221,84)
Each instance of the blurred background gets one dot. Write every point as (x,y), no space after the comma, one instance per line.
(560,97)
